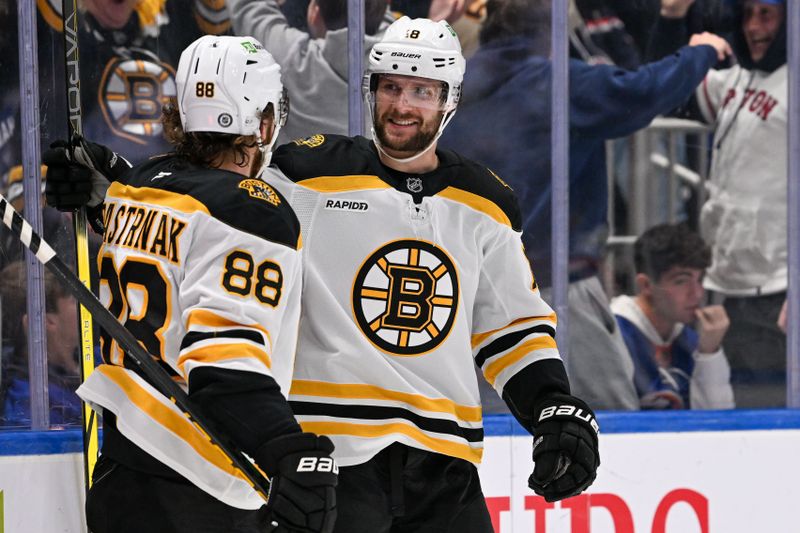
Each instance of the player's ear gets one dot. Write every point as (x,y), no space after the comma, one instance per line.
(644,284)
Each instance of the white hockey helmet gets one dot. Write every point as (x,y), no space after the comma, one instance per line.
(421,48)
(225,83)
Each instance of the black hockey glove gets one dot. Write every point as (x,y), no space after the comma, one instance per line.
(565,449)
(78,174)
(302,494)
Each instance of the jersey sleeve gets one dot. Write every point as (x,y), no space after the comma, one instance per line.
(236,293)
(710,95)
(513,327)
(265,21)
(241,302)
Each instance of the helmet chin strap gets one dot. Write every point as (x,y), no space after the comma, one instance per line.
(266,148)
(445,120)
(266,151)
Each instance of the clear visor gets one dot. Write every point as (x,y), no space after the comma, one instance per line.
(410,91)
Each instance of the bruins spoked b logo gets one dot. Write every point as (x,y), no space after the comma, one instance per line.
(405,297)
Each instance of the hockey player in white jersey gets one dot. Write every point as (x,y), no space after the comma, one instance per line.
(202,262)
(415,273)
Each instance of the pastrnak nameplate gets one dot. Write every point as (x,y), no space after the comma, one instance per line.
(346,205)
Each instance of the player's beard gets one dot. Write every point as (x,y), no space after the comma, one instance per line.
(418,142)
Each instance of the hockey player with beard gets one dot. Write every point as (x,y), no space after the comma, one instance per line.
(414,272)
(202,263)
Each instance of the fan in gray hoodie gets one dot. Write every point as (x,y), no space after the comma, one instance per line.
(314,63)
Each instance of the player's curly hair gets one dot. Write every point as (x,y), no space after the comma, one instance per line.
(206,148)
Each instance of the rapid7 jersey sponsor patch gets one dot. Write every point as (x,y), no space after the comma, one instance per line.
(346,205)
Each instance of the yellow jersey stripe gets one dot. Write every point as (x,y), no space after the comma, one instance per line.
(476,202)
(371,392)
(175,422)
(222,352)
(344,183)
(446,447)
(478,338)
(538,343)
(180,202)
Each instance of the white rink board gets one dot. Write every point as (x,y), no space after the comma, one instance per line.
(729,470)
(42,493)
(724,469)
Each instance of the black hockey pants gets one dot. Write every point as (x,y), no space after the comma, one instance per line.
(123,500)
(407,490)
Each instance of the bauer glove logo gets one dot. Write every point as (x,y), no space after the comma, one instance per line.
(569,411)
(317,464)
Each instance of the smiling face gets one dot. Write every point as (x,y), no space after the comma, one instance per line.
(408,112)
(760,25)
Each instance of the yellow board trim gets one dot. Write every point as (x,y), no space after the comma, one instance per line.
(370,392)
(476,202)
(461,451)
(478,338)
(180,202)
(178,424)
(344,183)
(222,352)
(539,343)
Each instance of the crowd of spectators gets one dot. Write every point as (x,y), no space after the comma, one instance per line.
(631,61)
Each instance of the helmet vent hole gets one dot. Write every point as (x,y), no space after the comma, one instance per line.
(394,66)
(196,65)
(219,63)
(413,69)
(251,62)
(441,35)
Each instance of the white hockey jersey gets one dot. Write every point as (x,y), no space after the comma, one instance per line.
(204,268)
(409,281)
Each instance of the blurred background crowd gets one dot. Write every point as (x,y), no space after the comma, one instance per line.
(678,172)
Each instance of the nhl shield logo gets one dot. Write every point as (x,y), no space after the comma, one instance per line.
(414,184)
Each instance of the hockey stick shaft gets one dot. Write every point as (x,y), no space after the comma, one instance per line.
(91,444)
(157,376)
